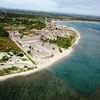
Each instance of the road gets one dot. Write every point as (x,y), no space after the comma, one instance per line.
(25,52)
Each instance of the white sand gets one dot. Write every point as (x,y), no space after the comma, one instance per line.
(58,56)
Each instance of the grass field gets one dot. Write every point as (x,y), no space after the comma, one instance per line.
(7,44)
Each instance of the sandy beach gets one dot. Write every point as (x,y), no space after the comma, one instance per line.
(58,56)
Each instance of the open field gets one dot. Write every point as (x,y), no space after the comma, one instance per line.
(7,44)
(12,58)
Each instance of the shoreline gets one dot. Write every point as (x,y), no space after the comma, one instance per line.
(53,60)
(78,21)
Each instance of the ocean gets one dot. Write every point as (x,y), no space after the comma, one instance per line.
(82,68)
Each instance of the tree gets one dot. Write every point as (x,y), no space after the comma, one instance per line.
(3,33)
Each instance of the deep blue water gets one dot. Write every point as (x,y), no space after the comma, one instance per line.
(81,69)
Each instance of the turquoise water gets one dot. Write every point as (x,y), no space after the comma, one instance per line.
(82,68)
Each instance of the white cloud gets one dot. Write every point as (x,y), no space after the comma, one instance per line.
(64,6)
(36,3)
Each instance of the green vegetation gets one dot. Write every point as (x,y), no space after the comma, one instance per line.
(24,59)
(4,59)
(24,15)
(3,33)
(49,56)
(61,42)
(22,22)
(7,71)
(32,25)
(24,25)
(14,69)
(81,19)
(20,54)
(7,45)
(60,50)
(30,68)
(29,52)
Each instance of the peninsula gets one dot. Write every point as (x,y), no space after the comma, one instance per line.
(30,44)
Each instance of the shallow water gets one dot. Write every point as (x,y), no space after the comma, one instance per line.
(82,69)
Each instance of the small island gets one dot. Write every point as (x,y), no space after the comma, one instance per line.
(30,44)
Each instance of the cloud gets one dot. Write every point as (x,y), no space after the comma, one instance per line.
(36,3)
(91,7)
(64,6)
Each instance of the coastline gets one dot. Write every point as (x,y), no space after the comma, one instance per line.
(53,60)
(78,21)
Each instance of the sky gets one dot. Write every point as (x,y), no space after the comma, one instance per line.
(87,7)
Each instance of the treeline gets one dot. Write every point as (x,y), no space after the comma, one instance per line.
(22,22)
(3,33)
(62,42)
(82,19)
(19,14)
